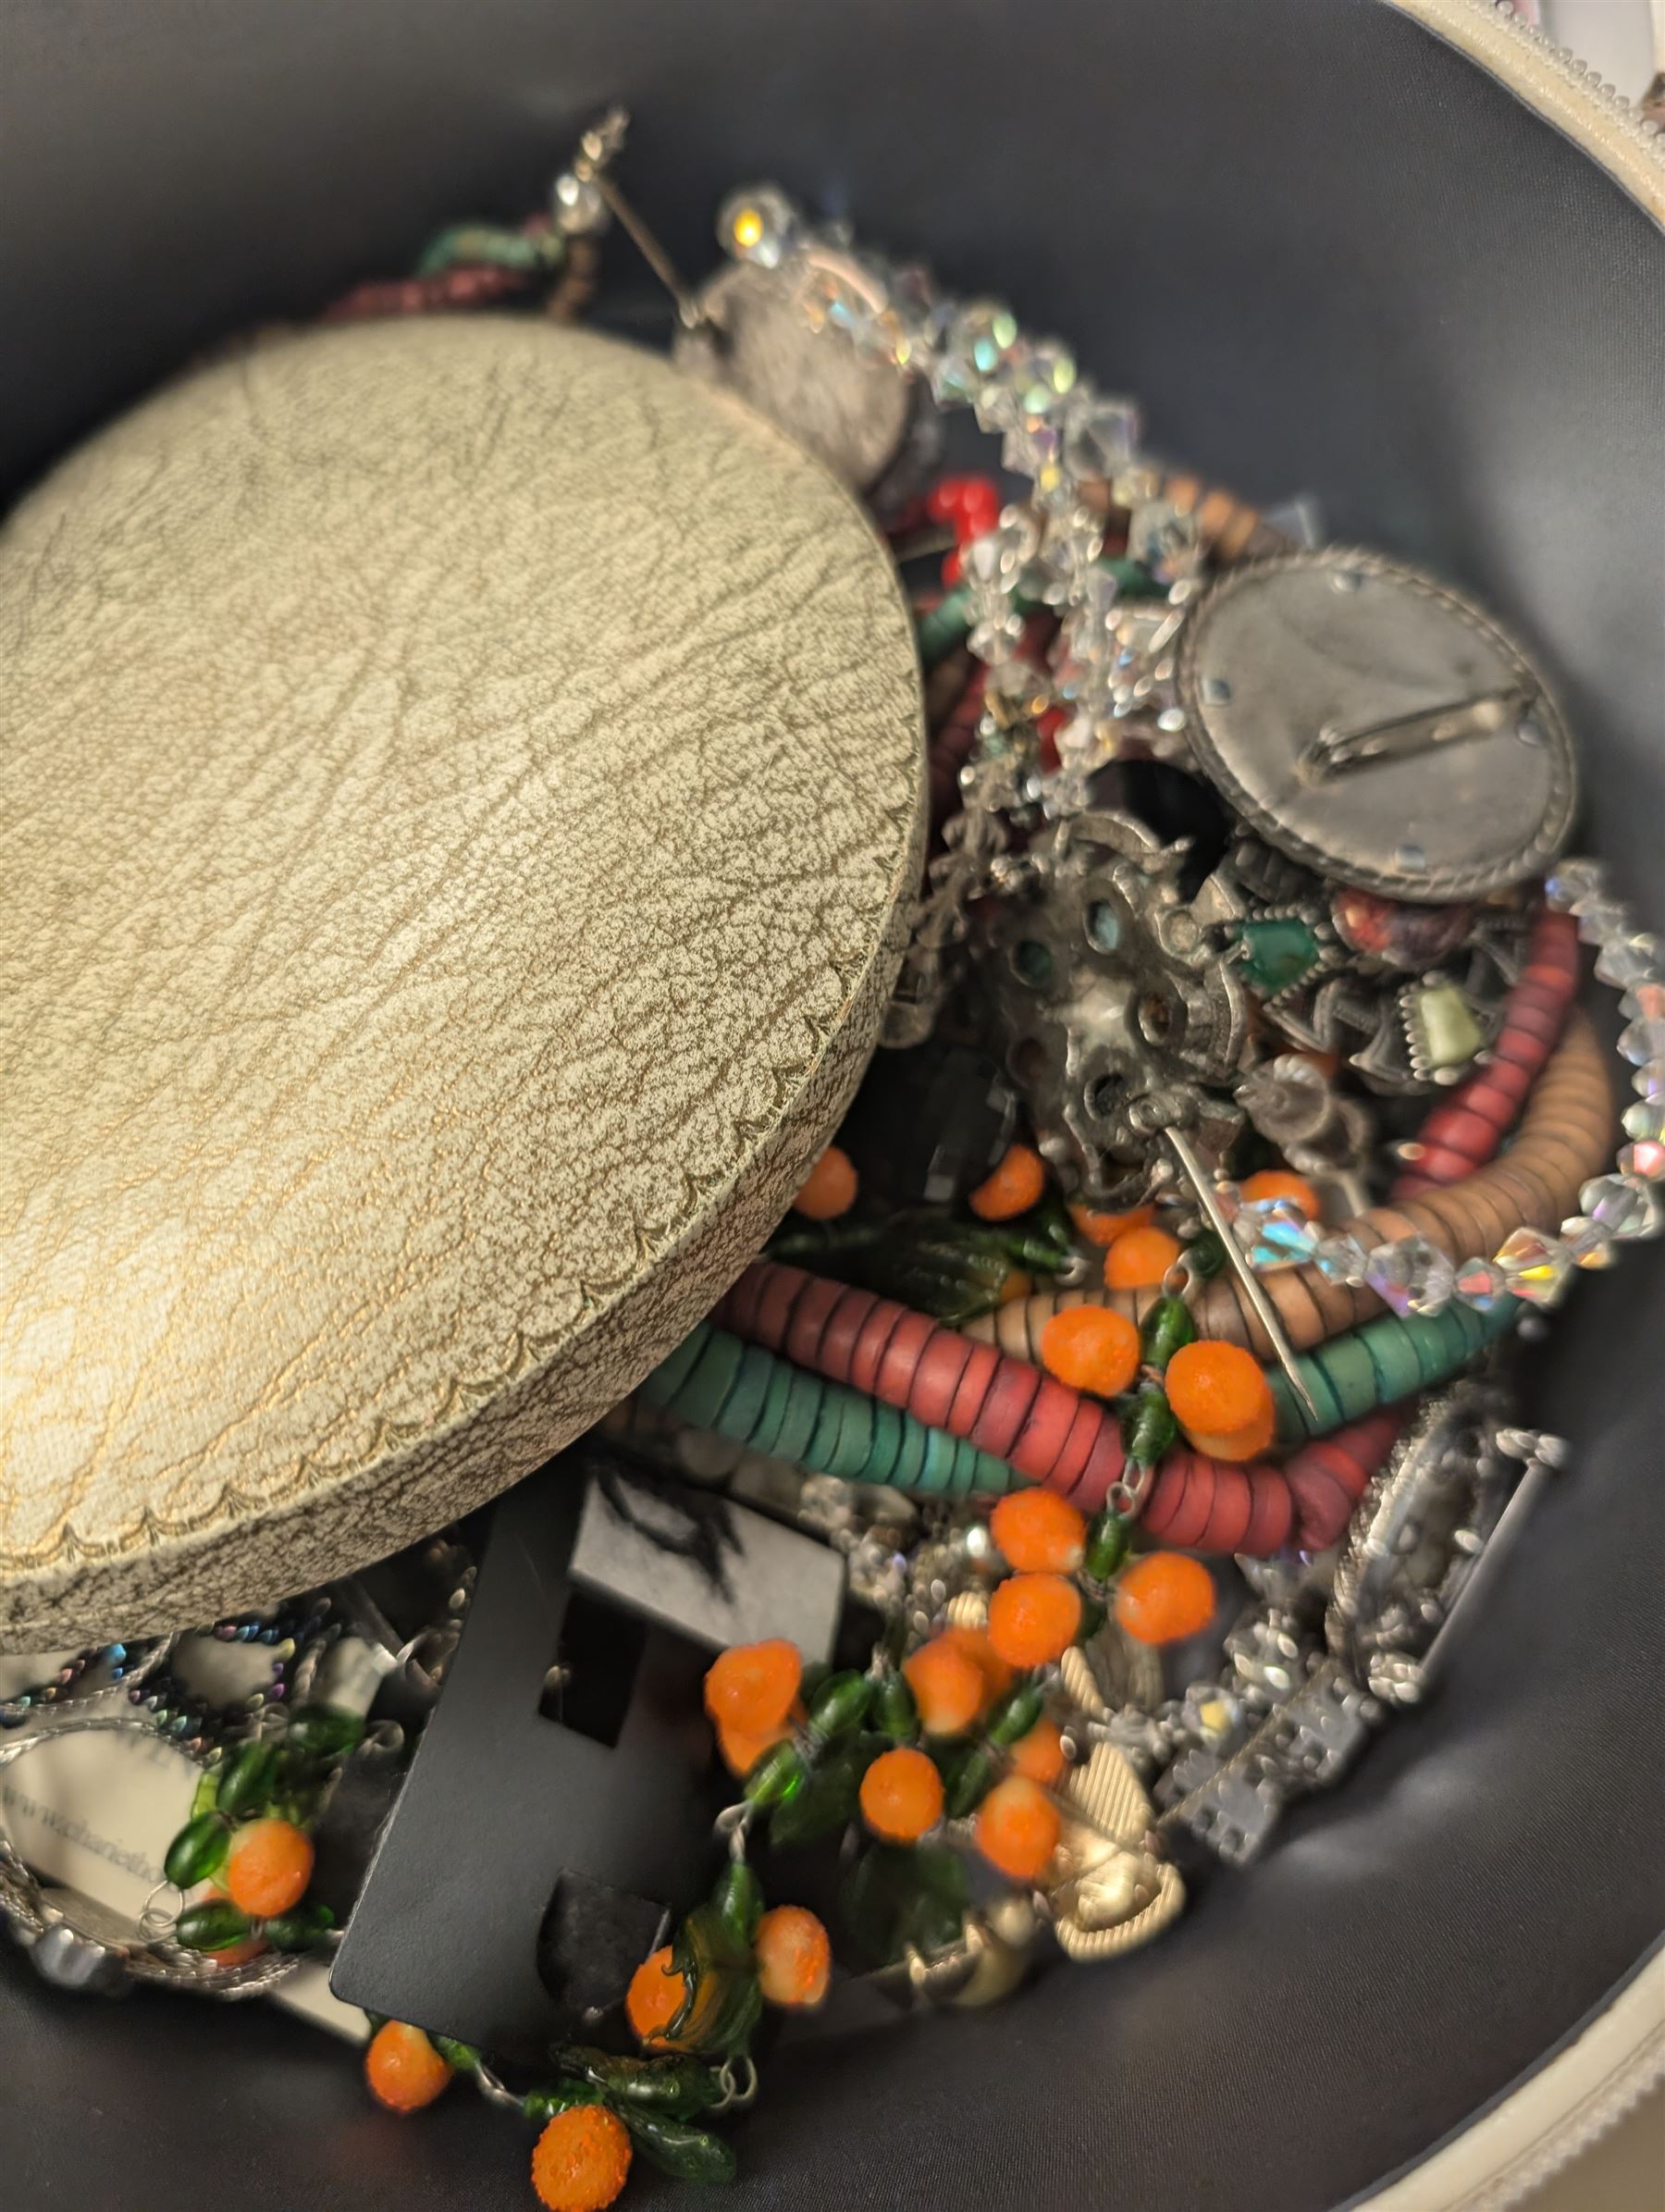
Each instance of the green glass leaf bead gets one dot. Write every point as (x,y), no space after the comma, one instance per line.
(728,2004)
(685,2152)
(970,1773)
(839,1705)
(1167,1327)
(462,2057)
(1206,1255)
(677,2086)
(1148,1427)
(1107,1543)
(827,1801)
(721,1992)
(1093,1616)
(951,1270)
(1044,1238)
(211,1925)
(544,2103)
(894,1714)
(738,1898)
(247,1779)
(323,1731)
(1274,954)
(206,1794)
(198,1850)
(304,1928)
(893,1894)
(777,1776)
(1016,1714)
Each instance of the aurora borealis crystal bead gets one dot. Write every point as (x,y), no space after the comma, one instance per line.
(978,344)
(1410,1276)
(1341,1259)
(1536,1266)
(1274,1232)
(1599,919)
(1628,961)
(1587,1243)
(1644,1041)
(1044,377)
(1622,1206)
(1572,882)
(1101,436)
(1480,1283)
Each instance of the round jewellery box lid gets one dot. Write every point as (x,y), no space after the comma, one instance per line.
(461,782)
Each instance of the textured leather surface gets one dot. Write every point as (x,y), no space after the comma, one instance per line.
(1329,255)
(458,780)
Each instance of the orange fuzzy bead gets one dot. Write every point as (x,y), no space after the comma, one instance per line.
(1040,1754)
(655,1997)
(267,1868)
(1017,1828)
(403,2069)
(1033,1619)
(1282,1183)
(1140,1260)
(975,1644)
(1164,1598)
(795,1957)
(1038,1532)
(238,1954)
(742,1748)
(232,1954)
(901,1796)
(1092,1348)
(830,1187)
(1237,1444)
(580,2161)
(751,1687)
(1103,1229)
(1017,1183)
(947,1685)
(1220,1398)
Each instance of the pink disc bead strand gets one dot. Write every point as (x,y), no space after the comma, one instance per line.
(1048,1432)
(1464,1132)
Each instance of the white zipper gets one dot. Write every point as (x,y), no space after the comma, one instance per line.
(1562,88)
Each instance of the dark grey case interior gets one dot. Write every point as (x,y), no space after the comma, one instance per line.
(1331,256)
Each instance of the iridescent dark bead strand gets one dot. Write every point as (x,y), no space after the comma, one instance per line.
(199,1725)
(23,1704)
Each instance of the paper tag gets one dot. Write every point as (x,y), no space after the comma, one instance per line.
(96,1811)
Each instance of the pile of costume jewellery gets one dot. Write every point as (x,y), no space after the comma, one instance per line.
(1237,1113)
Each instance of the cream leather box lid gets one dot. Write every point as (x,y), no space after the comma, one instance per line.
(459,790)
